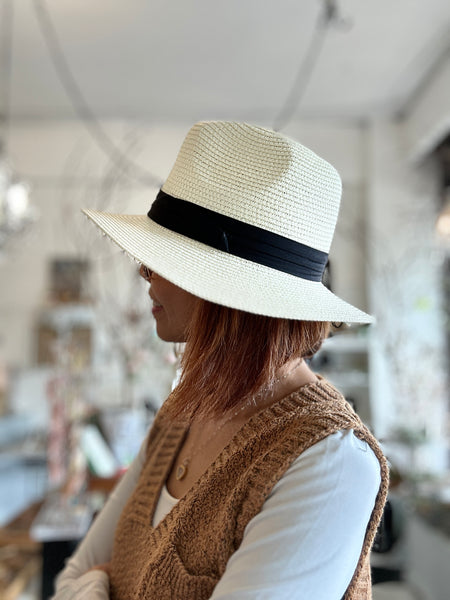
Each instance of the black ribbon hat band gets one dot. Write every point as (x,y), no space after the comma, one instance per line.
(238,238)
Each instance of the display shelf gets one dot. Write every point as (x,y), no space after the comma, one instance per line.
(348,379)
(346,342)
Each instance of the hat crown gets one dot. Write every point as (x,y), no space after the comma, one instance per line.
(260,177)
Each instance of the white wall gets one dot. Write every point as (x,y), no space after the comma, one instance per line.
(407,375)
(428,119)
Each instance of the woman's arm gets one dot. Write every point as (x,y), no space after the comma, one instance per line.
(306,541)
(80,577)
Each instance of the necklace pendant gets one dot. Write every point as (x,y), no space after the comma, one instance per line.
(181,472)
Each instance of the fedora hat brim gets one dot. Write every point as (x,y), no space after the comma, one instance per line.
(224,278)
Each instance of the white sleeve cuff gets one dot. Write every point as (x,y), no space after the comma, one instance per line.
(93,585)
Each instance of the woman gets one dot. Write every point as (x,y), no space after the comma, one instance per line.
(257,479)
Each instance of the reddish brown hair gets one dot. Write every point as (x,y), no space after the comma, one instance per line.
(231,355)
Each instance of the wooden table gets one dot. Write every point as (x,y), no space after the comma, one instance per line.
(20,556)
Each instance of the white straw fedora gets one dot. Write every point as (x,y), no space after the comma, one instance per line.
(245,219)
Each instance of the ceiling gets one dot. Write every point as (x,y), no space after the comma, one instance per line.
(238,59)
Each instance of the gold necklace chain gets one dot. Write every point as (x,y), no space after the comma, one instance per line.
(182,467)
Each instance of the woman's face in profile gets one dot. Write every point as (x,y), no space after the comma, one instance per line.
(172,307)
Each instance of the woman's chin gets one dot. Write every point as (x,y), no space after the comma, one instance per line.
(167,335)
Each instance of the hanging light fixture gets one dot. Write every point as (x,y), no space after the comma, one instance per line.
(443,219)
(16,213)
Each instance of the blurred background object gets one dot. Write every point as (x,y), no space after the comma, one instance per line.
(95,100)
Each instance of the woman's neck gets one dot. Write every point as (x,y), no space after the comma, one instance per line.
(293,375)
(207,437)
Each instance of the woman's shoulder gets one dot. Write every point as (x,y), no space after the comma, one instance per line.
(310,414)
(340,460)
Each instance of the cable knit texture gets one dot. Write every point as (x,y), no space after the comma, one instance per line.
(186,554)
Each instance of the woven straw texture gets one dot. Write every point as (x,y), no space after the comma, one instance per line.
(259,177)
(267,180)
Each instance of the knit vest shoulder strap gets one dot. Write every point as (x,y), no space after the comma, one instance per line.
(185,555)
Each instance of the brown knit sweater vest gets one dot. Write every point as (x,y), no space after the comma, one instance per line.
(184,557)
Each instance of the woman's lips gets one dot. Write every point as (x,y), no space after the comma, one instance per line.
(156,306)
(156,309)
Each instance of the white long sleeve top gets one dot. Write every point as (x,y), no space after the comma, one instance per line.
(291,550)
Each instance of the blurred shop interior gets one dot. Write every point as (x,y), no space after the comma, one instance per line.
(95,100)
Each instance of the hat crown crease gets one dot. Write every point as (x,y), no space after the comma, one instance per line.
(259,177)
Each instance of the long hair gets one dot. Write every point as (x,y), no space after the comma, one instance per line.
(231,355)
